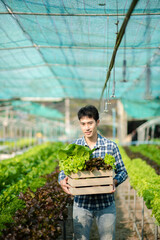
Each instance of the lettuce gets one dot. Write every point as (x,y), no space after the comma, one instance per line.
(73,157)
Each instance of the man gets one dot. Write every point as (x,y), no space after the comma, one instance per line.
(100,206)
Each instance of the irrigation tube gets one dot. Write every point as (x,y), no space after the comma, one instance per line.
(77,14)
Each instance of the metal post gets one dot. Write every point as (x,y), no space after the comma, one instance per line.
(4,132)
(67,116)
(25,132)
(134,212)
(30,137)
(153,130)
(15,138)
(114,123)
(156,233)
(147,134)
(122,122)
(11,124)
(142,218)
(129,192)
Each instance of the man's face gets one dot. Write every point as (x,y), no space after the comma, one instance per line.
(88,126)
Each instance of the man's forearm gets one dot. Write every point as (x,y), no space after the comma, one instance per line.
(115,182)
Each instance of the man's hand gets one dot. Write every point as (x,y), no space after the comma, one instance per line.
(64,185)
(114,185)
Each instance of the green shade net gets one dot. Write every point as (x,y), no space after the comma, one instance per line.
(59,49)
(142,109)
(37,110)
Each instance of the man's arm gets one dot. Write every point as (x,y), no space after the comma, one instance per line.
(121,172)
(63,181)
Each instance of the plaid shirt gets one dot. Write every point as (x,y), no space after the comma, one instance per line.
(100,201)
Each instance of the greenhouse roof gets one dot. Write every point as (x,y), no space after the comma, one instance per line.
(30,108)
(63,49)
(37,109)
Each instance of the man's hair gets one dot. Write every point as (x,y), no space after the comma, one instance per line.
(88,111)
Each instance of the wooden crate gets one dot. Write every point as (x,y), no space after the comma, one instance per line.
(95,182)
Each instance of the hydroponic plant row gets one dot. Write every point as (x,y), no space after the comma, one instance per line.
(44,209)
(150,162)
(19,144)
(24,177)
(150,151)
(145,181)
(13,170)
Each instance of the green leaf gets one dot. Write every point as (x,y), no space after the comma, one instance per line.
(72,158)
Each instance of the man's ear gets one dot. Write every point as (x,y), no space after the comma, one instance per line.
(98,121)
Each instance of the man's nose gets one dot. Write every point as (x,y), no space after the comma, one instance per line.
(87,126)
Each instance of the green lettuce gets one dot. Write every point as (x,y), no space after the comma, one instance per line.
(73,157)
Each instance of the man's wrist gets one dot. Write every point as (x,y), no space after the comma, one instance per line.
(115,182)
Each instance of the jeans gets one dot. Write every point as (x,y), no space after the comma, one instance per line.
(105,219)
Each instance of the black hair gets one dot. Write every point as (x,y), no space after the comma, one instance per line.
(89,111)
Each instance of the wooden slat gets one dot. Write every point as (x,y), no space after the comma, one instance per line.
(90,181)
(91,190)
(95,173)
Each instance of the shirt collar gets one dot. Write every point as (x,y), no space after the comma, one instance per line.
(99,142)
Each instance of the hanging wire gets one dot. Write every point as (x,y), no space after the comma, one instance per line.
(114,84)
(124,55)
(107,52)
(148,69)
(124,61)
(84,4)
(106,102)
(102,105)
(118,41)
(114,80)
(65,7)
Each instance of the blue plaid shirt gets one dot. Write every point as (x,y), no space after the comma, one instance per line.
(100,201)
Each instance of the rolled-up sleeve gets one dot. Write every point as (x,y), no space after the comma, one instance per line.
(120,171)
(61,176)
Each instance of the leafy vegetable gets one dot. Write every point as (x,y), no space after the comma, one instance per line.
(14,169)
(150,151)
(19,144)
(41,217)
(97,164)
(73,158)
(145,181)
(76,158)
(110,160)
(36,166)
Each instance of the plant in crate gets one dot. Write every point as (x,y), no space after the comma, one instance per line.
(87,175)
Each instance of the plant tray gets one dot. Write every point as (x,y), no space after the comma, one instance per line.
(91,182)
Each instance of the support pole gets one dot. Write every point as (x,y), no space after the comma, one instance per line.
(30,136)
(156,232)
(129,197)
(114,123)
(122,122)
(134,215)
(67,116)
(142,219)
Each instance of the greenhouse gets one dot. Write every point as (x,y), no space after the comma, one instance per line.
(55,58)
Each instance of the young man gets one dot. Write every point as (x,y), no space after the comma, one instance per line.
(100,206)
